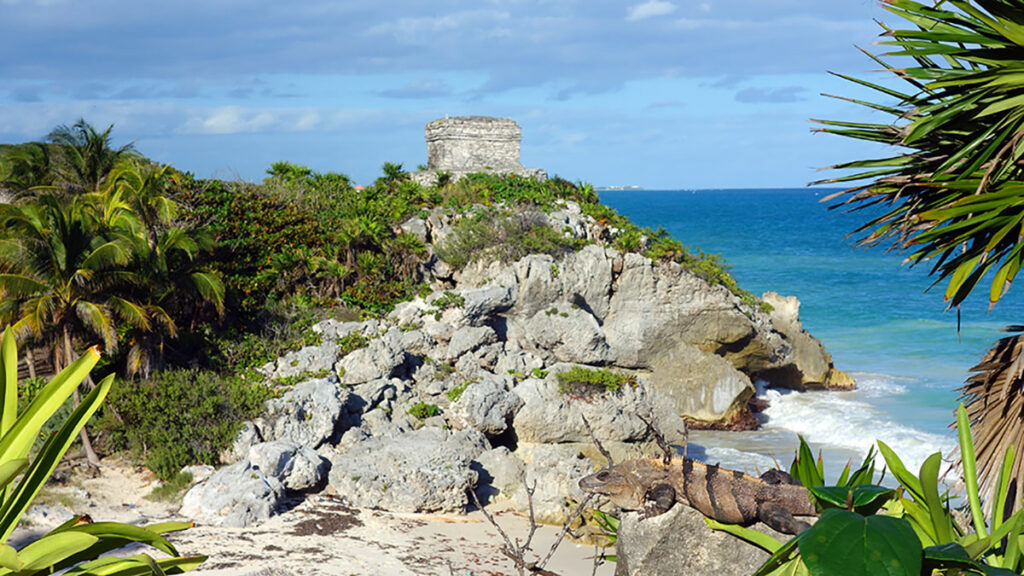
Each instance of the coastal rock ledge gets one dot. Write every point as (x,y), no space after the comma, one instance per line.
(478,385)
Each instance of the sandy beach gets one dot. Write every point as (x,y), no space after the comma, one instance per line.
(319,534)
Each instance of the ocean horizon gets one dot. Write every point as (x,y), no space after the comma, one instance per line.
(873,314)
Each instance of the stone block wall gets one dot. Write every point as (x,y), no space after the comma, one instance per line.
(466,144)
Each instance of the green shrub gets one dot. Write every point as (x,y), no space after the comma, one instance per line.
(539,373)
(351,343)
(580,381)
(487,188)
(505,236)
(421,411)
(181,417)
(456,392)
(448,300)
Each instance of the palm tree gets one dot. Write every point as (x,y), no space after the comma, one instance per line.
(85,156)
(60,272)
(169,281)
(953,192)
(25,168)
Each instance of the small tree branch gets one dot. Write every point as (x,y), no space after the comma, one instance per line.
(600,447)
(666,449)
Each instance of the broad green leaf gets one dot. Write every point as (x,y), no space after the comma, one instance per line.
(950,555)
(846,543)
(9,381)
(996,571)
(10,469)
(168,527)
(125,533)
(53,548)
(864,498)
(900,472)
(21,436)
(9,558)
(135,566)
(48,458)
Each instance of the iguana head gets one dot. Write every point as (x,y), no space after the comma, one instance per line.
(621,487)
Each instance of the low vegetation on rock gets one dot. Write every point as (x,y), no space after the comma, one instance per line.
(582,381)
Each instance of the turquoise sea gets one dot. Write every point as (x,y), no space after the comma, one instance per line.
(872,313)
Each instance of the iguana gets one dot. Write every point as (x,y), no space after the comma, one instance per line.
(652,486)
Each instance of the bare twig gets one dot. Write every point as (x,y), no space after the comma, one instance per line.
(567,528)
(514,551)
(666,449)
(600,447)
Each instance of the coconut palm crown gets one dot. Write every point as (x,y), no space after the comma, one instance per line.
(952,192)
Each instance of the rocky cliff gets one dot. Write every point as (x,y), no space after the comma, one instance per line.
(485,383)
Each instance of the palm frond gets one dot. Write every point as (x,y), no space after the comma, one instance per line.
(98,319)
(994,399)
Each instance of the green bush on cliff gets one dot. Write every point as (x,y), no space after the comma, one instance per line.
(513,190)
(504,236)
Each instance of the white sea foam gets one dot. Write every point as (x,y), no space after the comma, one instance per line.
(735,459)
(846,421)
(880,385)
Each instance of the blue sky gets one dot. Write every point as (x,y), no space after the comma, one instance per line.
(657,93)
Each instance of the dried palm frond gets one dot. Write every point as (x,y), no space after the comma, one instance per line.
(994,399)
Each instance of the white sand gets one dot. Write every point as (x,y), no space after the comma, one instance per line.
(321,535)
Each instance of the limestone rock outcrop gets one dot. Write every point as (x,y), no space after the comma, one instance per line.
(460,390)
(679,542)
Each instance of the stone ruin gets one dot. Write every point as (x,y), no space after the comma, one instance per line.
(467,144)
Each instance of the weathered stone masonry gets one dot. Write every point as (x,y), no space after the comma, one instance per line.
(466,144)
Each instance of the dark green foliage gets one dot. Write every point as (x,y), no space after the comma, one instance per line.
(422,410)
(514,190)
(181,417)
(503,236)
(351,342)
(580,381)
(306,233)
(448,300)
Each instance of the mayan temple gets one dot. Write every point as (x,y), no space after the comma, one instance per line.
(466,144)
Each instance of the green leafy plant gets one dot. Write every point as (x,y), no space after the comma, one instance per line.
(609,526)
(351,342)
(208,413)
(448,300)
(866,529)
(584,381)
(949,189)
(505,235)
(79,544)
(456,392)
(172,489)
(422,410)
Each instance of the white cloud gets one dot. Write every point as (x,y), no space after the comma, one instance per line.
(650,9)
